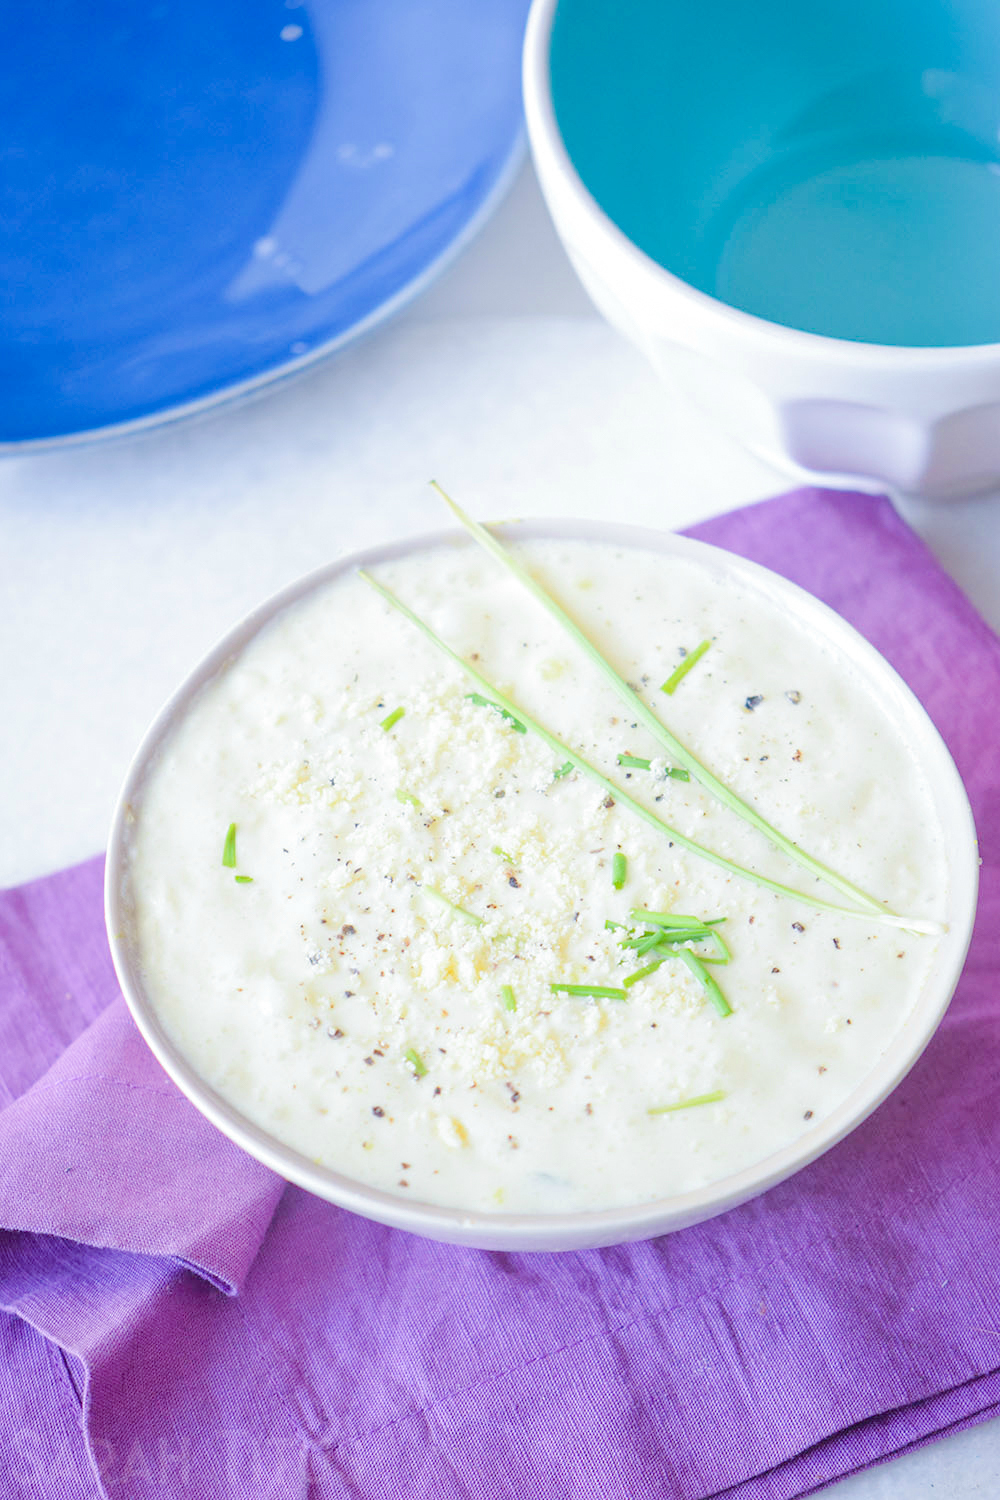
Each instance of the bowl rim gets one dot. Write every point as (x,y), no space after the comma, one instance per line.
(550,152)
(586,1228)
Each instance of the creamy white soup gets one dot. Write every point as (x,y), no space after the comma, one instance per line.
(395,929)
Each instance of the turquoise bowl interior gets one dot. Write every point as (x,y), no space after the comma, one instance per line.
(833,168)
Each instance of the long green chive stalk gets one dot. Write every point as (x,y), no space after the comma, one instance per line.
(590,991)
(680,672)
(913,924)
(456,911)
(229,848)
(488,703)
(659,730)
(668,1109)
(672,918)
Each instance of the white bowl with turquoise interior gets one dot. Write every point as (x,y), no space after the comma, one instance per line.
(794,211)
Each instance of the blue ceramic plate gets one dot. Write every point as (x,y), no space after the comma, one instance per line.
(199,198)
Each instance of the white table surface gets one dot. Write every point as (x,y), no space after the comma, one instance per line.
(122,563)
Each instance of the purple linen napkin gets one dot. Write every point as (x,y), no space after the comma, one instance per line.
(849,1314)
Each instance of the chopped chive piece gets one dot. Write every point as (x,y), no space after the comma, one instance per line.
(873,912)
(504,713)
(507,995)
(701,773)
(416,1062)
(634,762)
(243,879)
(562,770)
(678,773)
(673,929)
(680,937)
(696,934)
(684,667)
(721,948)
(590,991)
(393,718)
(644,944)
(619,869)
(229,848)
(456,911)
(642,973)
(668,1109)
(502,853)
(402,796)
(696,930)
(712,990)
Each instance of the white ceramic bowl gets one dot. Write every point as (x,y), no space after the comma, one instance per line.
(572,1230)
(922,421)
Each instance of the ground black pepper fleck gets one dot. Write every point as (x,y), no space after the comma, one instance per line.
(754,701)
(797,927)
(836,942)
(513,880)
(808,1115)
(378,1111)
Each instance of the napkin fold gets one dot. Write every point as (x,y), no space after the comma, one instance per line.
(847,1315)
(101,1147)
